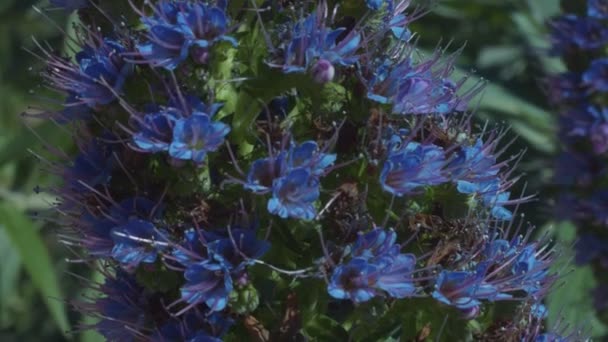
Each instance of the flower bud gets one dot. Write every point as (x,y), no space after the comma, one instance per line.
(323,71)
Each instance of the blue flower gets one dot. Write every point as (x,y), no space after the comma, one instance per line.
(533,272)
(376,267)
(313,46)
(307,155)
(177,27)
(100,74)
(263,172)
(207,282)
(597,9)
(135,242)
(570,31)
(377,242)
(597,75)
(395,278)
(194,326)
(462,289)
(495,199)
(92,167)
(293,195)
(411,167)
(471,165)
(374,4)
(354,280)
(230,251)
(416,88)
(122,308)
(195,136)
(398,21)
(566,86)
(156,132)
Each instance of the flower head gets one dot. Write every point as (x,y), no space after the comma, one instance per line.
(315,48)
(597,9)
(98,76)
(207,282)
(195,136)
(463,290)
(180,27)
(135,242)
(572,32)
(376,267)
(412,166)
(293,195)
(597,75)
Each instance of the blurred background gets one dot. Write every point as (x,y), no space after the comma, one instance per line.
(505,45)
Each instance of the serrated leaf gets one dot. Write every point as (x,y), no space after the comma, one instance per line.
(36,261)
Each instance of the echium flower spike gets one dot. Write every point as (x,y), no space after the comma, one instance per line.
(162,104)
(580,39)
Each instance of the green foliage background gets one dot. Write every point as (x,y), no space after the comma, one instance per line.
(504,45)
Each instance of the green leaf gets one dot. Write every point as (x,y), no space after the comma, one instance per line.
(91,335)
(323,328)
(36,260)
(9,276)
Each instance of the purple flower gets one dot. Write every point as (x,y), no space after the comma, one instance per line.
(207,282)
(597,9)
(597,75)
(398,21)
(532,271)
(462,290)
(572,32)
(377,242)
(123,308)
(135,242)
(307,155)
(416,87)
(195,325)
(411,167)
(230,251)
(263,172)
(92,167)
(293,195)
(178,27)
(395,278)
(156,131)
(100,74)
(566,86)
(375,4)
(323,71)
(195,136)
(473,164)
(312,45)
(495,198)
(376,267)
(354,280)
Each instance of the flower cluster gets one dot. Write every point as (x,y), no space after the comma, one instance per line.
(580,39)
(473,168)
(178,29)
(341,126)
(293,176)
(376,266)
